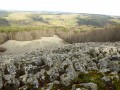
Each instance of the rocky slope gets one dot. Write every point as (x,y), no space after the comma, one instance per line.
(85,66)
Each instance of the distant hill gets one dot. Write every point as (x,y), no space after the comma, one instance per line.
(69,20)
(96,20)
(3,13)
(4,22)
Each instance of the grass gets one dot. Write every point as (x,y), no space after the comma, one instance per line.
(92,76)
(3,37)
(24,33)
(65,20)
(95,77)
(116,20)
(28,33)
(66,27)
(30,28)
(18,16)
(110,34)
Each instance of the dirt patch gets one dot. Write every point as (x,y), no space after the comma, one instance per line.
(17,47)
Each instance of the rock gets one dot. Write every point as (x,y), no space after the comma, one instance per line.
(49,68)
(90,85)
(114,66)
(49,86)
(115,58)
(11,80)
(33,81)
(71,72)
(56,82)
(1,80)
(92,66)
(77,89)
(104,70)
(106,78)
(30,69)
(49,61)
(115,75)
(103,63)
(23,88)
(79,67)
(24,78)
(40,74)
(85,86)
(108,50)
(11,68)
(53,73)
(65,80)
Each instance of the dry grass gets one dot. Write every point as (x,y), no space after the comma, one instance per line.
(111,34)
(25,35)
(103,35)
(3,37)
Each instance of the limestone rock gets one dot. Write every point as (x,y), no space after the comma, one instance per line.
(61,66)
(90,85)
(1,81)
(66,80)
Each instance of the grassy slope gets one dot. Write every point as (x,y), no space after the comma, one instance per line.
(74,21)
(22,22)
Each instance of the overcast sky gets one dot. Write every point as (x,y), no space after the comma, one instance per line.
(108,7)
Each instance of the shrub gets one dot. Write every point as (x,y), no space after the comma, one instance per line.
(103,35)
(3,37)
(2,49)
(111,34)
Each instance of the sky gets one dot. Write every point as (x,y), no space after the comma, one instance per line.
(107,7)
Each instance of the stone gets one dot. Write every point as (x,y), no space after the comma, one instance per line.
(106,78)
(103,63)
(65,80)
(53,73)
(61,66)
(1,80)
(79,67)
(115,58)
(30,69)
(114,66)
(11,68)
(90,85)
(92,66)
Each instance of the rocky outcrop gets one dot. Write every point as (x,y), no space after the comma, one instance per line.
(68,67)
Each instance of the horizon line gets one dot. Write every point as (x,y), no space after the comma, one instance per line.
(52,11)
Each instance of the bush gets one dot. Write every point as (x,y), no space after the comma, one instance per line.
(111,34)
(2,49)
(28,33)
(3,37)
(103,35)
